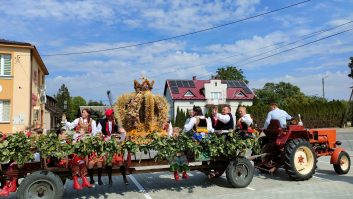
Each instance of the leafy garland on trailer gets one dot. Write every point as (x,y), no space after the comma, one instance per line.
(15,147)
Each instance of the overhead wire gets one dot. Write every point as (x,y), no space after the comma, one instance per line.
(181,35)
(303,37)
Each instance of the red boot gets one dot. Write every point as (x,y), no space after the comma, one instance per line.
(185,175)
(12,185)
(4,192)
(77,185)
(85,182)
(176,175)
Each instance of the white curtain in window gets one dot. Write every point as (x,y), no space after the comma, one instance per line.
(5,65)
(4,111)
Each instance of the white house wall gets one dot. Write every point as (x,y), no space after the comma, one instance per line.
(186,104)
(215,85)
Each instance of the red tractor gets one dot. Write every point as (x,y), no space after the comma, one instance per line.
(297,149)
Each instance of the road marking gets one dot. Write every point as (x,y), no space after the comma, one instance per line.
(252,189)
(328,163)
(139,186)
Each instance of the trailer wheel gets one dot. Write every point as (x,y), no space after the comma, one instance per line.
(344,163)
(299,159)
(41,184)
(240,172)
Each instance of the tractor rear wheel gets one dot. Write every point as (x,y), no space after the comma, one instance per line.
(41,184)
(299,159)
(240,172)
(344,163)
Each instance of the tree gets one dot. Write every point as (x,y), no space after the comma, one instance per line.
(76,102)
(282,93)
(230,73)
(63,100)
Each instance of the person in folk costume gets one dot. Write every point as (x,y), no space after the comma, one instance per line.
(222,121)
(10,184)
(214,119)
(244,123)
(76,163)
(88,125)
(201,126)
(179,163)
(109,127)
(12,170)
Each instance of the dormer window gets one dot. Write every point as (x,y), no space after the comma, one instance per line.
(189,94)
(240,94)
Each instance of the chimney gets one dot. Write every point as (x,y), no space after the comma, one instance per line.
(193,77)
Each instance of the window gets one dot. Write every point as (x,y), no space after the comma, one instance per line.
(4,111)
(189,94)
(240,94)
(216,95)
(5,65)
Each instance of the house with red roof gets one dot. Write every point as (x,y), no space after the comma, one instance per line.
(204,93)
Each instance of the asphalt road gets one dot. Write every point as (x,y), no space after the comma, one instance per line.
(325,184)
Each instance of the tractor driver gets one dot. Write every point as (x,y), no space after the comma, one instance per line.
(277,114)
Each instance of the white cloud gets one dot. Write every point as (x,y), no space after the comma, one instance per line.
(62,10)
(336,83)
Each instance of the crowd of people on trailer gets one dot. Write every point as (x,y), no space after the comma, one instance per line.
(108,128)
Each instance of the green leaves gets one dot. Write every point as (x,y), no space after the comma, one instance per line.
(16,147)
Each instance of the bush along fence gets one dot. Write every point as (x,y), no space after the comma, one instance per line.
(318,114)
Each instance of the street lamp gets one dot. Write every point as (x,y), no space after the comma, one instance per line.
(323,86)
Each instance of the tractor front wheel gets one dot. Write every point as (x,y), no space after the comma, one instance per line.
(299,159)
(344,163)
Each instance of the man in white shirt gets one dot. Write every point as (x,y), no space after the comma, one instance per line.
(245,120)
(223,121)
(277,114)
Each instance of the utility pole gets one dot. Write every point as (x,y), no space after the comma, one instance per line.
(323,87)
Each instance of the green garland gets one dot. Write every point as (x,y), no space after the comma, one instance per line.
(15,147)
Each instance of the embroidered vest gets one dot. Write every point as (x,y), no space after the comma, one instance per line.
(86,125)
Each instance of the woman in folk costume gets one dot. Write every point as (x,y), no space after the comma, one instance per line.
(110,129)
(85,121)
(76,163)
(199,124)
(88,125)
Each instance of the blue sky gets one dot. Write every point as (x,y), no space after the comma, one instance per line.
(57,26)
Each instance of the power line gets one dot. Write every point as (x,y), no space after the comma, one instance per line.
(303,37)
(299,46)
(182,35)
(294,42)
(293,48)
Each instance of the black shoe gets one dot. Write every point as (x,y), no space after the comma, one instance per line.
(100,182)
(110,182)
(125,181)
(92,182)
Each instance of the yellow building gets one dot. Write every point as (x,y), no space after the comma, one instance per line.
(22,80)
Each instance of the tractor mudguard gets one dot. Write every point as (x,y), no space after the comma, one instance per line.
(335,154)
(282,139)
